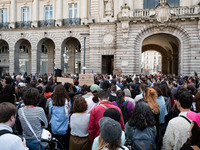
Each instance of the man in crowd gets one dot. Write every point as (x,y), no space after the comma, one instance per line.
(9,141)
(178,128)
(97,113)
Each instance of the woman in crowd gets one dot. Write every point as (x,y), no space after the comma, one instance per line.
(8,94)
(35,116)
(162,106)
(92,100)
(141,127)
(110,135)
(124,105)
(79,120)
(113,114)
(150,96)
(48,91)
(166,93)
(59,109)
(193,142)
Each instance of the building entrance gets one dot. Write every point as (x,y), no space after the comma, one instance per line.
(107,64)
(168,46)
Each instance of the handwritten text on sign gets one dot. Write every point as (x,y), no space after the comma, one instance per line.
(87,79)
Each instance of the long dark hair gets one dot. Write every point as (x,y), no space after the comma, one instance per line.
(194,139)
(142,116)
(120,96)
(60,96)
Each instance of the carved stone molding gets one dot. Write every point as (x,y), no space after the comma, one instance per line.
(125,30)
(163,12)
(108,39)
(107,52)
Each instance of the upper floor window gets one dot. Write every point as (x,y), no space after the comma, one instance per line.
(148,4)
(72,10)
(173,3)
(4,15)
(48,13)
(25,14)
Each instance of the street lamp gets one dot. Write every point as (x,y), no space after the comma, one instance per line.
(84,35)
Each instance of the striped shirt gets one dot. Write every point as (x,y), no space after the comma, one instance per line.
(35,115)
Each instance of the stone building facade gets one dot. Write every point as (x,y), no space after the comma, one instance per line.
(41,35)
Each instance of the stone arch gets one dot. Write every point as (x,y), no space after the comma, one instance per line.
(4,57)
(171,29)
(22,54)
(71,55)
(44,63)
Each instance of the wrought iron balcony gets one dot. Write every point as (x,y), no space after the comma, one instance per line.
(4,25)
(71,22)
(23,24)
(46,23)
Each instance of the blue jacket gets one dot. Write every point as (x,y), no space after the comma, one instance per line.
(59,120)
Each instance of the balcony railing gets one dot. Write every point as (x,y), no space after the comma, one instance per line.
(177,11)
(71,21)
(4,25)
(46,23)
(183,11)
(23,24)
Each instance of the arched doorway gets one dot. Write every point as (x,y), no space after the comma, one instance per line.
(4,57)
(168,46)
(71,55)
(46,48)
(23,56)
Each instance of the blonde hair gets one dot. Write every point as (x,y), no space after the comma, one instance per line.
(110,146)
(150,97)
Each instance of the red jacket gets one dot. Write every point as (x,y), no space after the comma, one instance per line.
(96,114)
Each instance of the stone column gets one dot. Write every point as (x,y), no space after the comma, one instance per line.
(12,60)
(13,14)
(34,61)
(57,57)
(130,4)
(51,60)
(35,13)
(84,8)
(59,12)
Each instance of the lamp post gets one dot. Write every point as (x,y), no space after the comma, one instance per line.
(84,35)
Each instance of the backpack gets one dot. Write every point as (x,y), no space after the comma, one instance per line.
(125,112)
(144,140)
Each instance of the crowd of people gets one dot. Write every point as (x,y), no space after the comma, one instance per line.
(141,112)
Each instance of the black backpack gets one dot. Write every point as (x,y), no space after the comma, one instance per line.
(2,132)
(124,110)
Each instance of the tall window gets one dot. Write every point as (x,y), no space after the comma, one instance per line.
(48,13)
(173,3)
(4,15)
(25,14)
(148,4)
(72,10)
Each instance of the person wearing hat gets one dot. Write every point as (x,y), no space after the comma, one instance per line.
(97,113)
(193,142)
(110,135)
(92,101)
(113,114)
